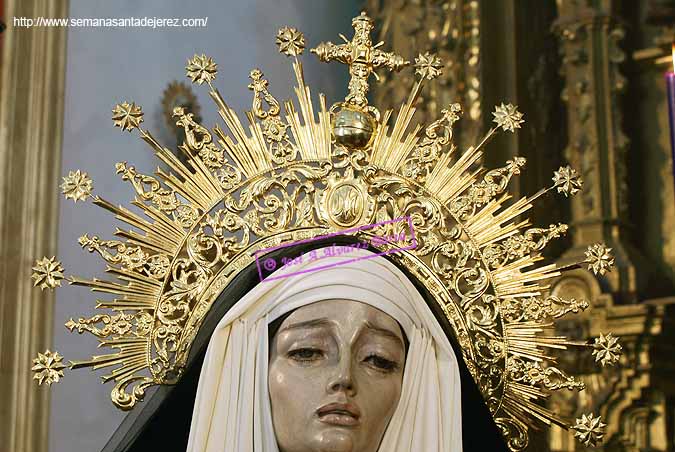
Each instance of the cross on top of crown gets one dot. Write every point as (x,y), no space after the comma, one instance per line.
(361,56)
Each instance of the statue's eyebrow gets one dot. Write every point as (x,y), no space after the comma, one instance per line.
(314,323)
(383,332)
(323,322)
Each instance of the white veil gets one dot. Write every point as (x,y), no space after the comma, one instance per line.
(232,411)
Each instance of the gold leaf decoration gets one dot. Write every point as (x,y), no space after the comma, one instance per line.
(599,258)
(77,186)
(290,41)
(428,66)
(589,430)
(538,308)
(508,117)
(127,116)
(567,180)
(437,135)
(131,258)
(534,374)
(201,69)
(47,273)
(48,368)
(118,325)
(607,350)
(273,128)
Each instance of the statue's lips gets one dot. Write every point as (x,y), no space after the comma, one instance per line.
(346,414)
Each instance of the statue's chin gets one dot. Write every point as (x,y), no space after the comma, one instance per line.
(335,440)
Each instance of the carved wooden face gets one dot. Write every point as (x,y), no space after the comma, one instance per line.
(335,376)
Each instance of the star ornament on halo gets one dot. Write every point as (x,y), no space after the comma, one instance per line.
(48,368)
(589,430)
(507,117)
(77,185)
(599,258)
(428,66)
(127,116)
(290,41)
(47,273)
(201,69)
(607,350)
(567,180)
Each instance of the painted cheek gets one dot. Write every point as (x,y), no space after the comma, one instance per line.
(381,395)
(279,378)
(300,388)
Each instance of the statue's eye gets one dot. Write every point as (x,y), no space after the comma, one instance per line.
(381,363)
(305,354)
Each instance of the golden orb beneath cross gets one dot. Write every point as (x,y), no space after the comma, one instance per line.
(353,128)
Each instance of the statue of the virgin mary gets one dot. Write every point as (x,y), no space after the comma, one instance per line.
(345,358)
(329,281)
(344,354)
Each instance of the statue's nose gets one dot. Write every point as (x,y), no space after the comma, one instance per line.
(343,379)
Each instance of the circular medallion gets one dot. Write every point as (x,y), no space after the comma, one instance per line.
(345,204)
(346,201)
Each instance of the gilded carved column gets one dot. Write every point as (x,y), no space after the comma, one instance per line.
(31,122)
(590,36)
(636,400)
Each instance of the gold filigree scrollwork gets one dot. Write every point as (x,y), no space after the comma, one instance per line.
(198,139)
(125,401)
(269,205)
(480,193)
(274,129)
(514,431)
(220,242)
(520,245)
(437,135)
(457,262)
(132,258)
(187,281)
(532,373)
(118,325)
(150,189)
(537,308)
(396,197)
(260,93)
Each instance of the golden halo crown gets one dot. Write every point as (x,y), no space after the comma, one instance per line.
(302,174)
